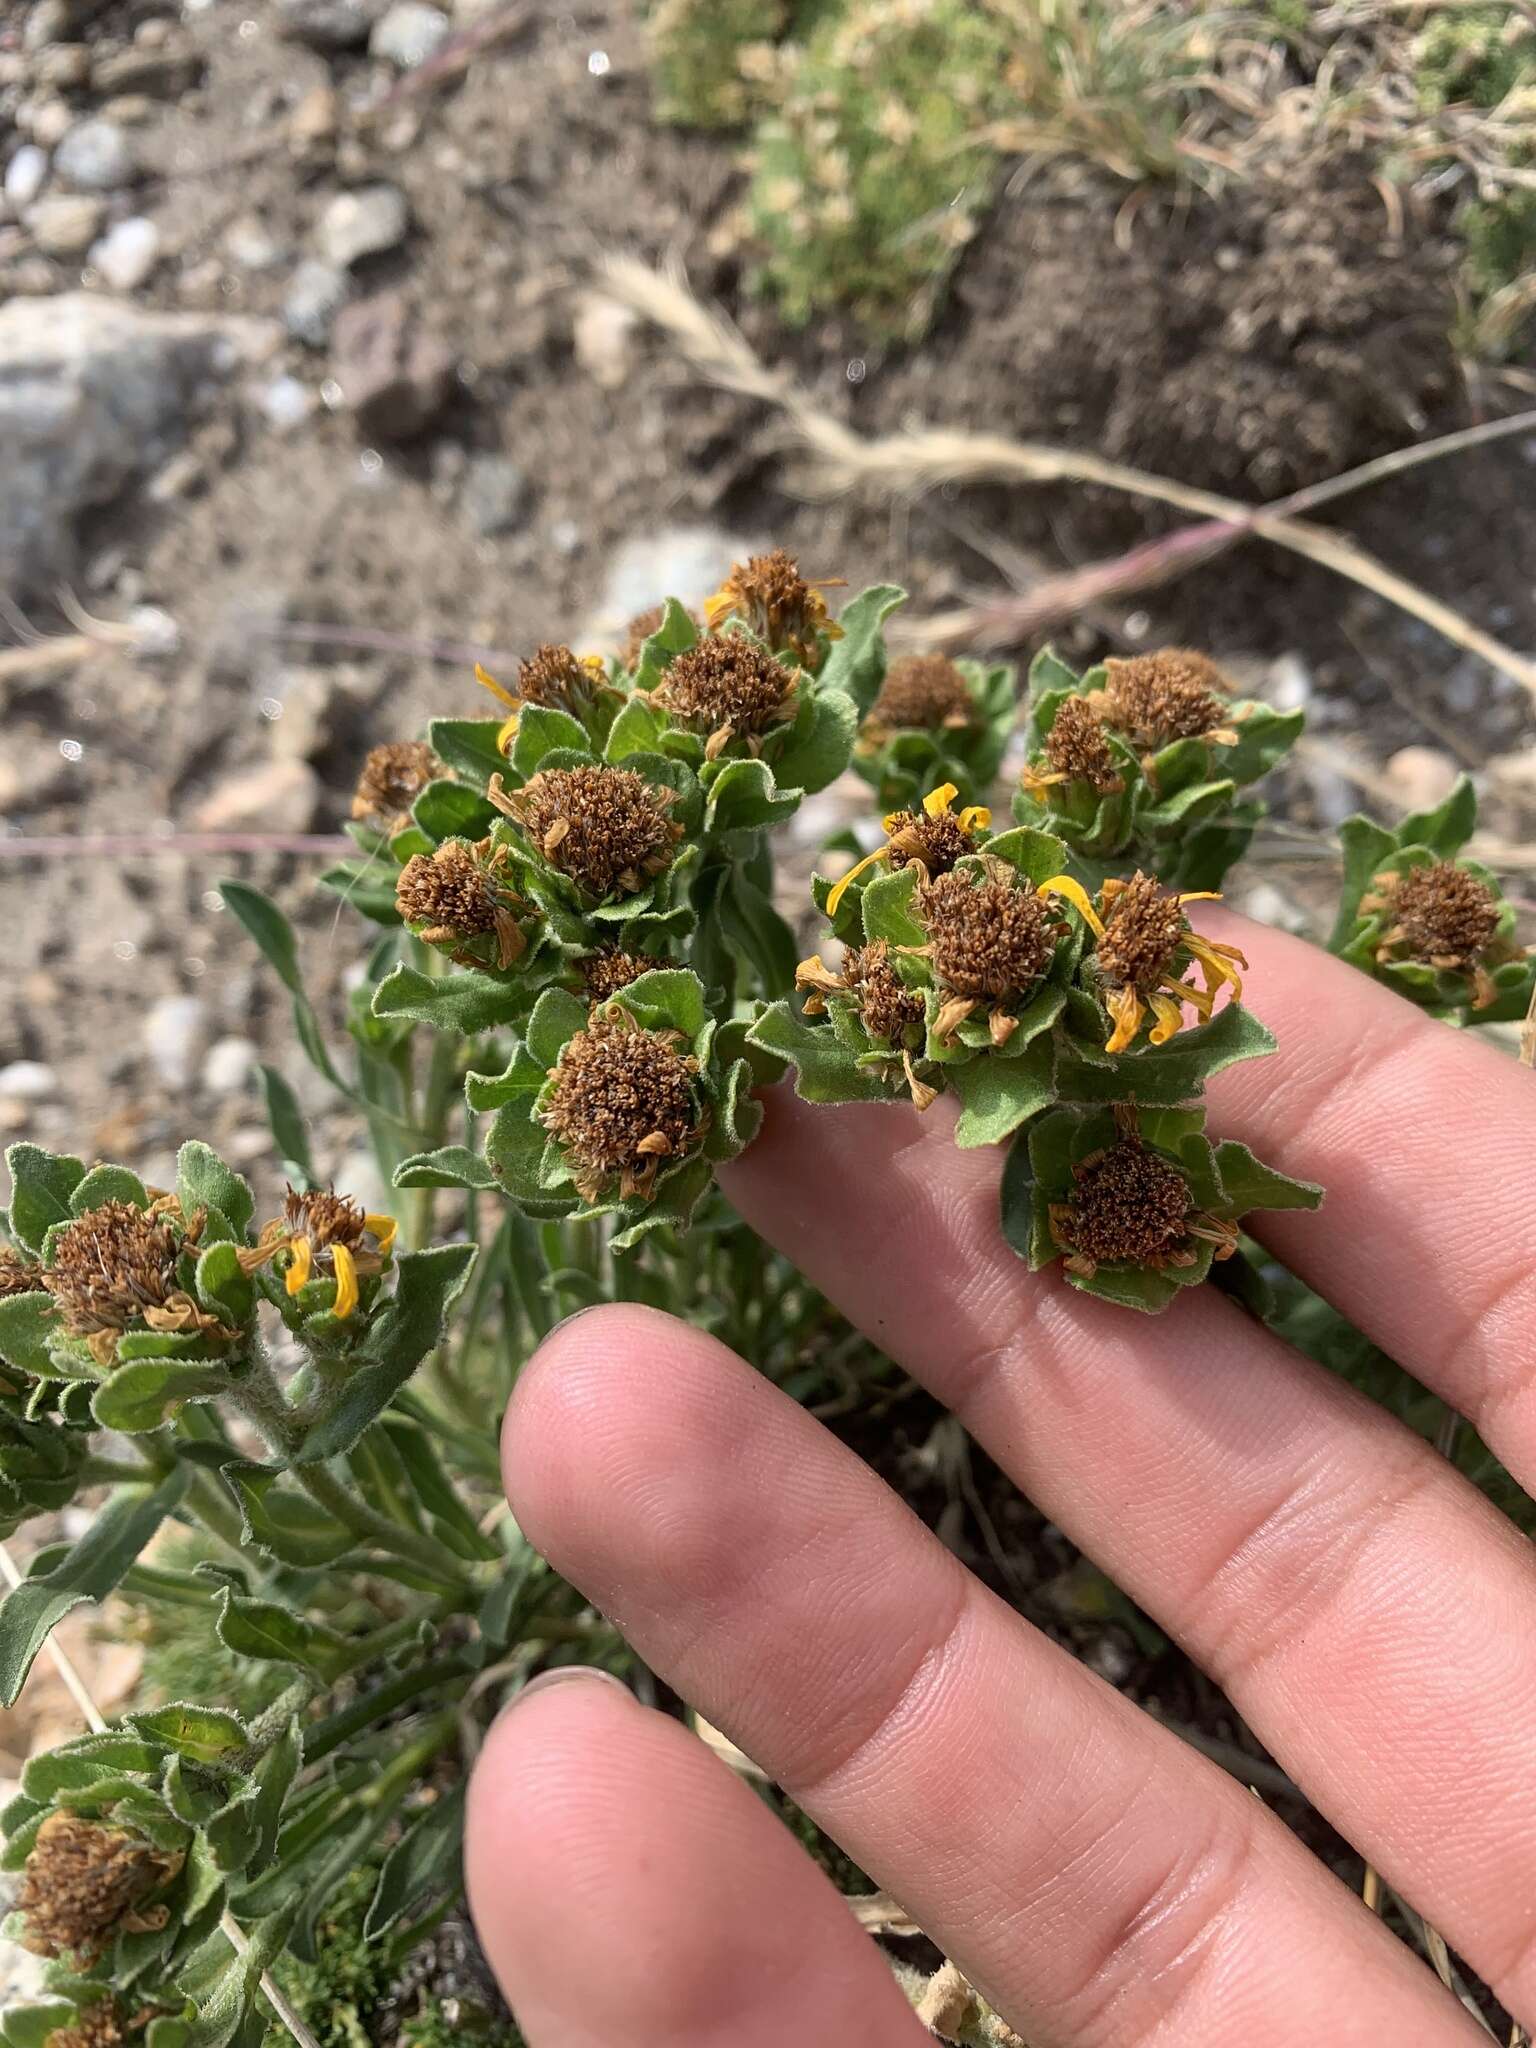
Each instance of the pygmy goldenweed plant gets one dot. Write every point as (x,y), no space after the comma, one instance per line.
(581,982)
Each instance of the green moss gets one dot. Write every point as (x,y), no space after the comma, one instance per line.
(1474,58)
(436,2028)
(335,1995)
(696,51)
(870,179)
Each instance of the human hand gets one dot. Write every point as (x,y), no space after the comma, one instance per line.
(1366,1610)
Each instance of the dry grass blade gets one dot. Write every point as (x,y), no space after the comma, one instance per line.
(1528,1035)
(841,460)
(878,1913)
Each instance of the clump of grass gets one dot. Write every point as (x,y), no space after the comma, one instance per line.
(697,49)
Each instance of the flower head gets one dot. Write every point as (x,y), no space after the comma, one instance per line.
(607,828)
(393,776)
(1143,947)
(768,593)
(933,839)
(323,1234)
(1128,1206)
(730,687)
(922,692)
(96,2026)
(889,1011)
(455,896)
(85,1883)
(1175,694)
(1075,751)
(18,1275)
(611,968)
(116,1266)
(553,678)
(1443,916)
(623,1102)
(990,940)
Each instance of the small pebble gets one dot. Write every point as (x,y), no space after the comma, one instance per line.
(316,293)
(495,494)
(174,1031)
(286,404)
(28,1081)
(127,253)
(408,34)
(228,1066)
(64,223)
(362,223)
(96,156)
(25,176)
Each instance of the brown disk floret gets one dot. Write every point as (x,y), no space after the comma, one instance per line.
(886,1005)
(393,776)
(453,895)
(18,1275)
(1144,927)
(990,937)
(557,679)
(924,692)
(1127,1206)
(1075,746)
(110,1267)
(1444,915)
(324,1217)
(622,1103)
(726,685)
(770,595)
(607,828)
(610,968)
(937,841)
(1171,695)
(85,1883)
(97,2026)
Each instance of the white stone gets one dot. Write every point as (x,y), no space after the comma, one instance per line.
(286,404)
(174,1031)
(127,253)
(229,1065)
(1421,777)
(1290,683)
(96,156)
(362,223)
(408,34)
(64,223)
(28,1081)
(25,176)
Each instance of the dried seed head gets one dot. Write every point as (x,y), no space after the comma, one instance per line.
(97,2026)
(1127,1205)
(610,968)
(18,1275)
(924,692)
(86,1882)
(449,888)
(769,594)
(622,1102)
(990,936)
(559,680)
(937,840)
(1444,915)
(640,629)
(886,1005)
(607,828)
(110,1266)
(1143,929)
(1171,695)
(393,776)
(1075,746)
(727,685)
(324,1217)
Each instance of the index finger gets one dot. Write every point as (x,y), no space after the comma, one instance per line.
(1424,1139)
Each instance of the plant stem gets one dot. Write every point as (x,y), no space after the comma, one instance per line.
(329,1734)
(353,1513)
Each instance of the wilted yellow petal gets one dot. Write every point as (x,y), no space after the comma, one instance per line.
(346,1281)
(1170,1018)
(937,801)
(489,682)
(840,887)
(1125,1006)
(383,1229)
(1078,897)
(298,1265)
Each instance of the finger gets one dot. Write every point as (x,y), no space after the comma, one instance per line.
(1098,1880)
(1372,1617)
(627,1889)
(1425,1140)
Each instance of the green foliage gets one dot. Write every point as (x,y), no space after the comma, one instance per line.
(696,49)
(1473,56)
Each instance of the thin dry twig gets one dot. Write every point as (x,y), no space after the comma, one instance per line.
(922,459)
(151,846)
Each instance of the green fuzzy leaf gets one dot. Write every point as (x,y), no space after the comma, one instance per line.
(88,1570)
(1167,1075)
(274,935)
(1036,856)
(400,1335)
(1246,1183)
(1132,1286)
(108,1184)
(468,745)
(541,731)
(667,998)
(1367,849)
(759,934)
(887,908)
(676,633)
(41,1186)
(276,1635)
(1177,813)
(451,810)
(286,1523)
(514,1148)
(222,1287)
(997,1095)
(1264,737)
(89,1761)
(290,1132)
(815,758)
(672,1205)
(557,1017)
(366,886)
(32,2026)
(1017,1205)
(423,1867)
(743,797)
(149,1391)
(27,1323)
(271,1781)
(523,1076)
(1446,829)
(825,1070)
(206,1735)
(452,1166)
(467,1001)
(855,664)
(203,1181)
(637,730)
(1049,674)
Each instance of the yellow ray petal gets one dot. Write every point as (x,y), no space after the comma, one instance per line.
(1125,1006)
(1078,897)
(937,801)
(489,682)
(1199,896)
(1170,1018)
(346,1281)
(383,1229)
(840,887)
(298,1264)
(1214,968)
(976,818)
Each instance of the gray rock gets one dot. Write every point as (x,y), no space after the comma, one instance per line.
(49,22)
(316,294)
(408,34)
(362,223)
(250,243)
(127,253)
(286,404)
(96,156)
(228,1067)
(25,176)
(94,392)
(28,1081)
(495,494)
(326,24)
(64,66)
(276,796)
(64,223)
(164,72)
(394,377)
(47,121)
(175,1029)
